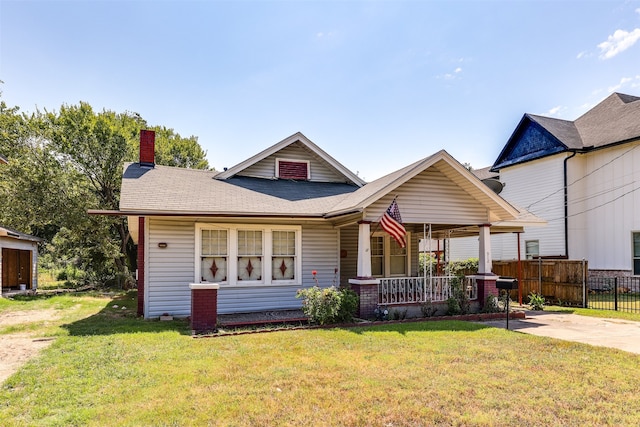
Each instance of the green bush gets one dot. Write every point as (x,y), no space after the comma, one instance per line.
(458,302)
(328,305)
(536,302)
(491,304)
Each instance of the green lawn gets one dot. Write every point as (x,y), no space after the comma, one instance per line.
(109,368)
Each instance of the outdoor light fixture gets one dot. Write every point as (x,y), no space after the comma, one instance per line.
(162,245)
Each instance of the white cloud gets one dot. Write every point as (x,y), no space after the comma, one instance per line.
(638,11)
(623,81)
(554,110)
(458,70)
(618,42)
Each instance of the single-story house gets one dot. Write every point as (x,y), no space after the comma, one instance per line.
(583,178)
(18,260)
(292,216)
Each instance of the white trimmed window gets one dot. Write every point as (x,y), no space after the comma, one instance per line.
(248,255)
(531,249)
(213,256)
(388,259)
(636,253)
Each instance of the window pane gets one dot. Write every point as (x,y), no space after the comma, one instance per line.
(376,266)
(213,269)
(249,242)
(398,265)
(377,246)
(636,267)
(284,243)
(249,268)
(283,268)
(214,242)
(636,245)
(532,248)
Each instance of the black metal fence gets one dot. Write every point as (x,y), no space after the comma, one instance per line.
(614,293)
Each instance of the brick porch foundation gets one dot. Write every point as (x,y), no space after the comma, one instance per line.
(204,307)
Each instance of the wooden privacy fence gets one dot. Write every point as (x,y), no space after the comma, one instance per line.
(555,279)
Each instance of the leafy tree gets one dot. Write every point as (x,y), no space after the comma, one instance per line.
(62,164)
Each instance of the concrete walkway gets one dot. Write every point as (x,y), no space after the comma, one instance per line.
(614,333)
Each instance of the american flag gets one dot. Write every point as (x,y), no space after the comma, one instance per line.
(391,222)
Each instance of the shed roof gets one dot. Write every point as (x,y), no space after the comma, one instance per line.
(15,234)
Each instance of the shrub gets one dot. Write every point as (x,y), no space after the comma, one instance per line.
(458,302)
(491,304)
(428,309)
(536,302)
(453,307)
(398,314)
(328,305)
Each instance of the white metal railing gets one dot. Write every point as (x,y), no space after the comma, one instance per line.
(404,290)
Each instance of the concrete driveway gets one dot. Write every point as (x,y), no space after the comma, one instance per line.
(614,333)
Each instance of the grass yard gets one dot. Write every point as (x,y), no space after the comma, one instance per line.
(107,367)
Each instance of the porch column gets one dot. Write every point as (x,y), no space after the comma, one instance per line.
(364,249)
(485,279)
(484,252)
(365,286)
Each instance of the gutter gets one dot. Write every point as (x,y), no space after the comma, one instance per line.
(566,206)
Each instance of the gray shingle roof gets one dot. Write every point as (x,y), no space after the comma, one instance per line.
(170,189)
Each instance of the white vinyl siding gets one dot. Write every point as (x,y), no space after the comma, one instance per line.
(319,170)
(604,206)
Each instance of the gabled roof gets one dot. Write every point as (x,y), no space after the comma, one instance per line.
(165,190)
(306,142)
(172,191)
(615,120)
(14,234)
(445,163)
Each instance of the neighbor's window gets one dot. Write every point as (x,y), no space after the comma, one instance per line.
(283,260)
(531,249)
(636,254)
(213,256)
(249,255)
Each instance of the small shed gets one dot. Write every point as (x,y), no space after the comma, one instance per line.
(18,260)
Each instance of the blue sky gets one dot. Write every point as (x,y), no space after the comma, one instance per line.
(377,85)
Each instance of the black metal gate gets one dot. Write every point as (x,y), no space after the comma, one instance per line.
(614,293)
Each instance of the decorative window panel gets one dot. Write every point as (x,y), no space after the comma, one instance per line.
(249,255)
(213,259)
(283,260)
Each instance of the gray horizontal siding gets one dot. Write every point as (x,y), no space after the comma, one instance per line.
(170,270)
(431,197)
(320,170)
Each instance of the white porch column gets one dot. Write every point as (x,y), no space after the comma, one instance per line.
(484,251)
(364,249)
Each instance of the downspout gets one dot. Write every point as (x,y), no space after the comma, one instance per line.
(566,206)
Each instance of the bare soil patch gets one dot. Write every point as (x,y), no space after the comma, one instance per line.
(17,348)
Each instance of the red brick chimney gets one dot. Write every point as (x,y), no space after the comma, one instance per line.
(147,148)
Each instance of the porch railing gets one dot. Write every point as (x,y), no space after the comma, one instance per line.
(404,290)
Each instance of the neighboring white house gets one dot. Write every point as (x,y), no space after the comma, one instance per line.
(262,228)
(583,178)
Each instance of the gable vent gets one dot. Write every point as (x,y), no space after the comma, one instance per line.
(291,169)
